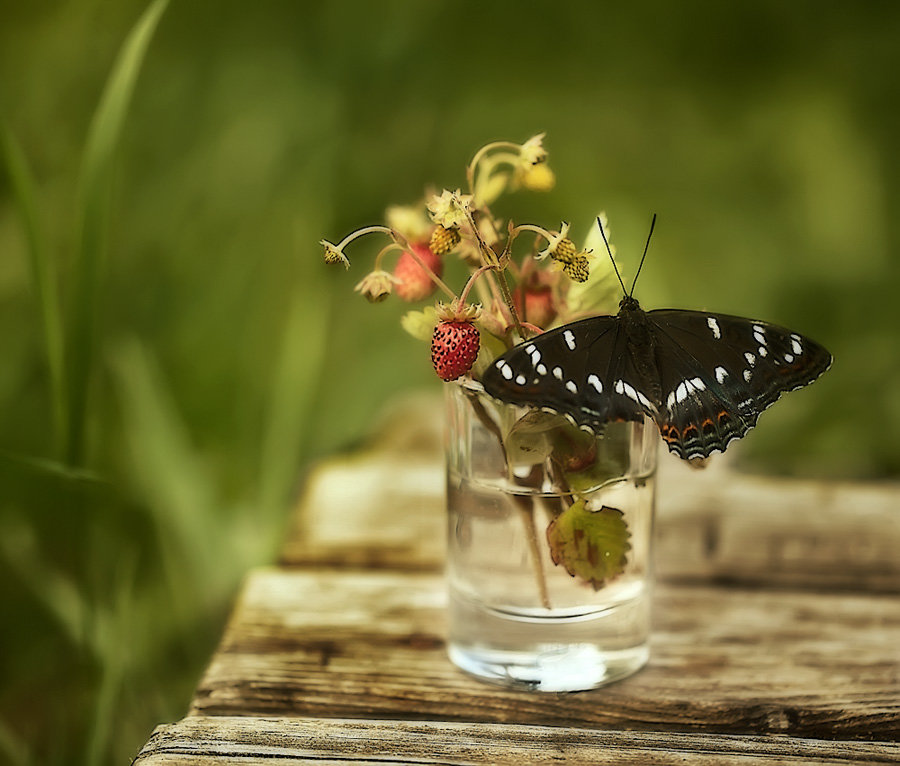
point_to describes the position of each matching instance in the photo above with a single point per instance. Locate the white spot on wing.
(751, 360)
(714, 326)
(747, 374)
(541, 369)
(681, 392)
(698, 384)
(762, 351)
(569, 337)
(558, 373)
(594, 381)
(795, 345)
(530, 349)
(788, 358)
(506, 371)
(721, 374)
(520, 379)
(570, 385)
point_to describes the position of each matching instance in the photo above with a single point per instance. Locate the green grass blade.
(43, 274)
(295, 384)
(95, 185)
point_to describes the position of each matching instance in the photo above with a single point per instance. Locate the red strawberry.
(413, 283)
(454, 346)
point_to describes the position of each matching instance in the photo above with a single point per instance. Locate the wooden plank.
(370, 645)
(236, 740)
(375, 509)
(385, 509)
(777, 532)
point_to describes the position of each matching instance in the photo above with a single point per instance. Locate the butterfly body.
(704, 378)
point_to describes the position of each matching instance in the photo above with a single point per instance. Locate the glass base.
(556, 650)
(569, 668)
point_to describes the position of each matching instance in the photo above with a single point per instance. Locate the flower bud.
(376, 286)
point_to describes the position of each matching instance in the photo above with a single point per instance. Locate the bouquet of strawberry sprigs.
(527, 279)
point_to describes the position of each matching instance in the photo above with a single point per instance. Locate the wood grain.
(250, 741)
(370, 645)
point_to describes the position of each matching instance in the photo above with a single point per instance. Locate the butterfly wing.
(718, 373)
(578, 370)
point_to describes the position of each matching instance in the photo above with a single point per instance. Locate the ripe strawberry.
(413, 283)
(454, 347)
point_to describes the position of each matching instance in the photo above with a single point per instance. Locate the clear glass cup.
(525, 488)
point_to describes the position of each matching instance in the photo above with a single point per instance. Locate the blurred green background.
(205, 355)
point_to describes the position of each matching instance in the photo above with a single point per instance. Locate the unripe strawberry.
(443, 240)
(454, 347)
(578, 269)
(412, 282)
(565, 251)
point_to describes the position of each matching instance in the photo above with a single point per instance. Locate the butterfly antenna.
(652, 224)
(608, 250)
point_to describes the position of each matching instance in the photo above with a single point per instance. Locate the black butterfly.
(704, 378)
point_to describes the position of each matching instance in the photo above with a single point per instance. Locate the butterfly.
(704, 378)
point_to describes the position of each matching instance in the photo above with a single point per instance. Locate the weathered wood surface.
(777, 634)
(204, 741)
(346, 645)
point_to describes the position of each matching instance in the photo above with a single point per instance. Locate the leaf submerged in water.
(591, 545)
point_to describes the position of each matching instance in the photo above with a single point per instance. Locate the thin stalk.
(471, 281)
(490, 258)
(434, 277)
(537, 559)
(525, 503)
(479, 155)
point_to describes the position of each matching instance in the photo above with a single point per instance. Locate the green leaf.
(591, 545)
(600, 292)
(95, 184)
(420, 324)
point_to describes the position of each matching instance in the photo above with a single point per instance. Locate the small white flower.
(450, 208)
(532, 151)
(376, 286)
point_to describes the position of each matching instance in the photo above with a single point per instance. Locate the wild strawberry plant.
(521, 279)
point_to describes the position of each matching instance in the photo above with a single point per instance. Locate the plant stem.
(536, 558)
(470, 170)
(524, 502)
(434, 277)
(471, 281)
